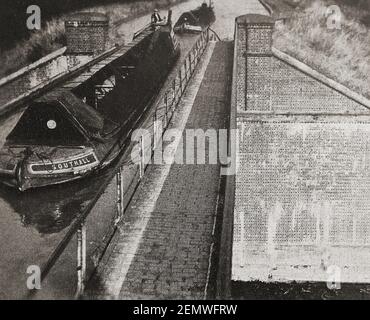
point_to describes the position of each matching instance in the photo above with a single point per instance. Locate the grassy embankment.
(52, 35)
(343, 55)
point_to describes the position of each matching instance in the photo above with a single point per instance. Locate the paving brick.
(171, 260)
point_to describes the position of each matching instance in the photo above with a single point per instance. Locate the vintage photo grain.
(198, 150)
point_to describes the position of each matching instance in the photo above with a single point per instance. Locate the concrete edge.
(321, 78)
(313, 73)
(74, 71)
(252, 116)
(219, 267)
(32, 66)
(224, 272)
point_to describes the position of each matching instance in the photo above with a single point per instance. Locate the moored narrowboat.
(195, 21)
(57, 139)
(68, 134)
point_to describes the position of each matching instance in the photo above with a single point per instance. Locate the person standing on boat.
(156, 18)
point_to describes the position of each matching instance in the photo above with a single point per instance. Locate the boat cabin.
(59, 118)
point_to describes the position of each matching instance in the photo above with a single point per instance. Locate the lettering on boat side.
(58, 167)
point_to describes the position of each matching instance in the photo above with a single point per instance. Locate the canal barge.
(195, 21)
(68, 134)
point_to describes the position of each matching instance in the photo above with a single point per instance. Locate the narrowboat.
(66, 135)
(195, 21)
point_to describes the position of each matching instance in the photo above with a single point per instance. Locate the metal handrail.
(215, 33)
(177, 89)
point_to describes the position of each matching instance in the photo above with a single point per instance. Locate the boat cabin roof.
(188, 17)
(57, 118)
(89, 118)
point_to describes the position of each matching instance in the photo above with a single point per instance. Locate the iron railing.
(164, 110)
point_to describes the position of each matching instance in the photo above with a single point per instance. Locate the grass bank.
(52, 35)
(341, 54)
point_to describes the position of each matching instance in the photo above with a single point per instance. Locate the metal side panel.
(302, 207)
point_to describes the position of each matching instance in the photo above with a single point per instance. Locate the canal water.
(34, 223)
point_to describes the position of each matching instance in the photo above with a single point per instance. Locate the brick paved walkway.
(163, 247)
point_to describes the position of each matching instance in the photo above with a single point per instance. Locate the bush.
(342, 55)
(52, 35)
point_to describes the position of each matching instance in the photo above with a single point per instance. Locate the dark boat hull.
(34, 165)
(195, 21)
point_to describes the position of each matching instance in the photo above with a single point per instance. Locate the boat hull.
(195, 21)
(36, 165)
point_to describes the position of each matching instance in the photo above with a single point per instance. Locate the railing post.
(166, 109)
(166, 100)
(142, 158)
(180, 77)
(173, 104)
(154, 130)
(81, 259)
(186, 69)
(121, 191)
(174, 91)
(119, 195)
(190, 69)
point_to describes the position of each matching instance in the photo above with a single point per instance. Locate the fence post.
(173, 104)
(154, 129)
(119, 195)
(121, 190)
(142, 158)
(166, 101)
(174, 91)
(190, 69)
(81, 259)
(166, 109)
(186, 69)
(180, 77)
